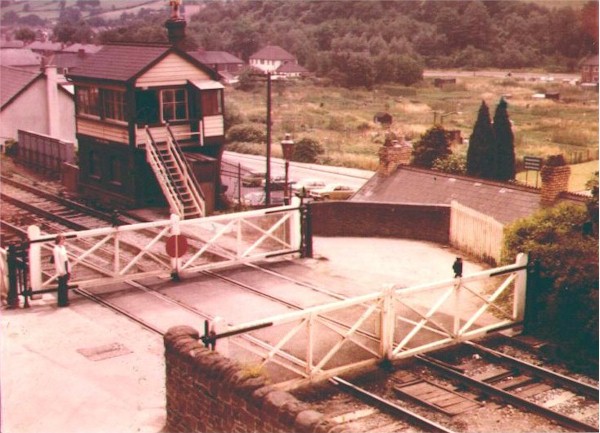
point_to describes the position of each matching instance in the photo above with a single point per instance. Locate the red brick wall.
(366, 219)
(207, 392)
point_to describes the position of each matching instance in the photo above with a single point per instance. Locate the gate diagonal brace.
(210, 337)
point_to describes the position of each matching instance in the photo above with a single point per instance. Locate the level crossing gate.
(121, 253)
(394, 323)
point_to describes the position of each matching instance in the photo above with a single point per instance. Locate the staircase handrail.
(153, 157)
(190, 180)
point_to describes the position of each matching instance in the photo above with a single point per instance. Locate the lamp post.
(287, 146)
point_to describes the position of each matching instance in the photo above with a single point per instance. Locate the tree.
(480, 161)
(307, 150)
(453, 164)
(432, 145)
(504, 144)
(565, 265)
(25, 34)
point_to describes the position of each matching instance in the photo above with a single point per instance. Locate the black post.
(306, 248)
(239, 184)
(268, 171)
(286, 192)
(13, 293)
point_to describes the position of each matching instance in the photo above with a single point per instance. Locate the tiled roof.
(127, 62)
(19, 57)
(119, 62)
(13, 82)
(87, 48)
(215, 57)
(291, 68)
(503, 202)
(272, 52)
(67, 60)
(590, 60)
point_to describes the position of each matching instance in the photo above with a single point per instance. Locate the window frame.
(114, 105)
(88, 101)
(175, 104)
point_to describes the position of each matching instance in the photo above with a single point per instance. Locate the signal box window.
(94, 165)
(114, 171)
(212, 102)
(174, 105)
(114, 104)
(87, 101)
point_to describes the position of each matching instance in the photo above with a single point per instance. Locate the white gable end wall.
(173, 70)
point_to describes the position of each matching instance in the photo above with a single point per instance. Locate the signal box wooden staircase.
(175, 177)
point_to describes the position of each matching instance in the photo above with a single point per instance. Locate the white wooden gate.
(111, 254)
(394, 323)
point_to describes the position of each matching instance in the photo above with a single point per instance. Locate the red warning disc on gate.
(176, 246)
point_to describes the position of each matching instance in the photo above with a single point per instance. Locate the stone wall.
(207, 392)
(367, 219)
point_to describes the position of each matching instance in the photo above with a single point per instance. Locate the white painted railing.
(394, 323)
(109, 254)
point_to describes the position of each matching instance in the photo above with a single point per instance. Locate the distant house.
(36, 102)
(277, 61)
(589, 70)
(220, 61)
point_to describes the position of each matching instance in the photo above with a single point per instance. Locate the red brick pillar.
(390, 157)
(555, 179)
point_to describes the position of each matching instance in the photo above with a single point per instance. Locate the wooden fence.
(476, 233)
(44, 153)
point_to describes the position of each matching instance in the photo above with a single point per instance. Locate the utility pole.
(268, 170)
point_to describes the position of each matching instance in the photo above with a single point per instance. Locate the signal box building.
(140, 110)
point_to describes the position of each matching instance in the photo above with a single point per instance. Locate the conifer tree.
(505, 143)
(432, 145)
(480, 160)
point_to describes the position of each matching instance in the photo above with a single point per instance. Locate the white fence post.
(388, 321)
(520, 287)
(295, 238)
(35, 258)
(175, 231)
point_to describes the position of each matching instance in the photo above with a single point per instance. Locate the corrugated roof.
(272, 52)
(215, 57)
(503, 202)
(119, 62)
(13, 82)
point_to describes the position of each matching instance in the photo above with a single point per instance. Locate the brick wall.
(367, 219)
(207, 392)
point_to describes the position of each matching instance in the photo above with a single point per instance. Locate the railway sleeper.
(436, 397)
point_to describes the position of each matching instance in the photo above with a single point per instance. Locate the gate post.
(520, 287)
(35, 258)
(306, 231)
(175, 231)
(388, 323)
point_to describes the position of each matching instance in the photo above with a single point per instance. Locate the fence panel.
(476, 233)
(44, 153)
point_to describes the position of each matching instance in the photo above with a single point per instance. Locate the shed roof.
(127, 62)
(272, 52)
(13, 82)
(503, 202)
(291, 68)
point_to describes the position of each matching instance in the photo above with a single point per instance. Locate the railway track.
(412, 401)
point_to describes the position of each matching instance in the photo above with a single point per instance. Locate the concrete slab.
(48, 385)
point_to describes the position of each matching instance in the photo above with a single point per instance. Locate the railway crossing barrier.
(121, 253)
(327, 340)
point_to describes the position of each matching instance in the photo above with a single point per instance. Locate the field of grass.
(342, 120)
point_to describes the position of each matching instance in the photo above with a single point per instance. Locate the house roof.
(19, 57)
(127, 62)
(291, 68)
(215, 57)
(590, 60)
(87, 48)
(46, 46)
(11, 44)
(13, 82)
(503, 202)
(272, 52)
(67, 60)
